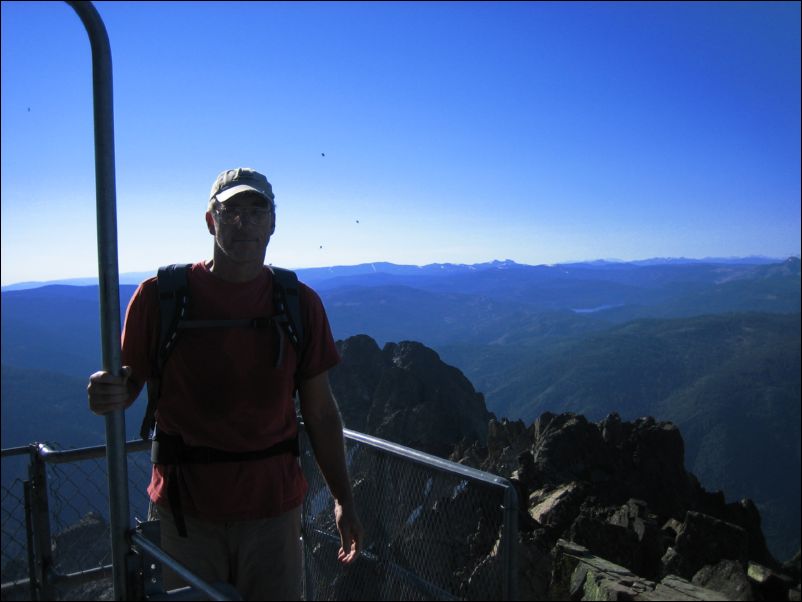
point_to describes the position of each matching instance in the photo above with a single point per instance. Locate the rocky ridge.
(617, 492)
(607, 509)
(404, 393)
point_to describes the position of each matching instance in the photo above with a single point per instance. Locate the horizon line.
(142, 273)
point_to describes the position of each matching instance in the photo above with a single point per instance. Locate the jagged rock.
(504, 433)
(727, 577)
(611, 542)
(569, 448)
(556, 507)
(676, 588)
(641, 460)
(626, 536)
(632, 515)
(671, 528)
(704, 540)
(573, 563)
(769, 584)
(743, 513)
(404, 393)
(354, 383)
(612, 430)
(524, 479)
(653, 455)
(526, 474)
(506, 441)
(609, 486)
(469, 453)
(581, 575)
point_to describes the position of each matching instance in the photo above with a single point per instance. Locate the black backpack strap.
(171, 449)
(287, 304)
(172, 452)
(171, 284)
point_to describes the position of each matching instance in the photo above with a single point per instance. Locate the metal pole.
(509, 544)
(108, 278)
(217, 591)
(41, 587)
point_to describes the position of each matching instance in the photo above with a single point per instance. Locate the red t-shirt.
(220, 388)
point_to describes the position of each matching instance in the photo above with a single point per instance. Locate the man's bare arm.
(325, 429)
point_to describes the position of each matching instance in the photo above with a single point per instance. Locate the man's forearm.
(326, 435)
(325, 429)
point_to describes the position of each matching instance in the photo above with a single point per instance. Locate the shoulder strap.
(287, 300)
(171, 284)
(173, 302)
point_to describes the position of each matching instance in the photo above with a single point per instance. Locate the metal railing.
(434, 529)
(54, 510)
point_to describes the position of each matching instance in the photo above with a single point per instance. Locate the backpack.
(173, 292)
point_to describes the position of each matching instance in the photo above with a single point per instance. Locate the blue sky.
(452, 132)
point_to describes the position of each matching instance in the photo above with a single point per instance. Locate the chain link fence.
(78, 507)
(14, 561)
(434, 530)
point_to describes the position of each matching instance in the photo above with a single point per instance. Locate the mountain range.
(711, 346)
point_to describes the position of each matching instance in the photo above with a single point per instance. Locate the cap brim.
(235, 190)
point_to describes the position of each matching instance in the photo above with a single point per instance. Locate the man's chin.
(244, 257)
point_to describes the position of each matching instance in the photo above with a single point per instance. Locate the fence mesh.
(78, 505)
(430, 534)
(14, 547)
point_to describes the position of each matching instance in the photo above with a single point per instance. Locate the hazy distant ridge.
(311, 274)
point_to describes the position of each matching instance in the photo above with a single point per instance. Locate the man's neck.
(225, 269)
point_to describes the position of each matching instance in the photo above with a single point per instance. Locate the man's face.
(243, 226)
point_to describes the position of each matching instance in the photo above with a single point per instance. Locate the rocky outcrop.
(578, 574)
(727, 577)
(620, 491)
(404, 393)
(606, 510)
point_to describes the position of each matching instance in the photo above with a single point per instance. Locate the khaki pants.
(260, 558)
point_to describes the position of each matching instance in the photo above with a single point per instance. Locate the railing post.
(109, 284)
(39, 528)
(509, 543)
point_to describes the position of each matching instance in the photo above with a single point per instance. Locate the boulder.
(768, 583)
(556, 507)
(580, 575)
(626, 535)
(727, 577)
(703, 540)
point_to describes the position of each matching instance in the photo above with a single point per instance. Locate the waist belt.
(170, 450)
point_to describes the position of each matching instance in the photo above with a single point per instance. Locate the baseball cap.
(242, 179)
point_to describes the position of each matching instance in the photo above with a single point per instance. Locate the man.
(231, 389)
